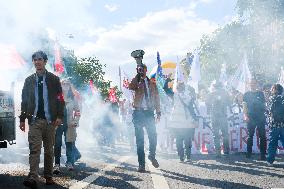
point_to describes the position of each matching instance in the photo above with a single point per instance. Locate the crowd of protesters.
(53, 108)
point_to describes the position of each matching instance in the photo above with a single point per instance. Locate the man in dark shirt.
(43, 105)
(254, 109)
(218, 102)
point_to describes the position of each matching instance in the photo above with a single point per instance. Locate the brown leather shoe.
(49, 181)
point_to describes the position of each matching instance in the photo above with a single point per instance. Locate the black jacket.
(55, 97)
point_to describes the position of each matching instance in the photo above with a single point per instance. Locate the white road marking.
(88, 180)
(158, 179)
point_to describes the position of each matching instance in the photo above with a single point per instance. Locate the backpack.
(277, 109)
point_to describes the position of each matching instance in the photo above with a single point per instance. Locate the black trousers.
(258, 123)
(184, 138)
(141, 119)
(220, 124)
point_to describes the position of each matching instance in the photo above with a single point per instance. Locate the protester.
(107, 125)
(43, 105)
(277, 122)
(146, 101)
(267, 92)
(122, 135)
(184, 120)
(254, 115)
(204, 118)
(68, 128)
(237, 98)
(129, 124)
(218, 103)
(168, 90)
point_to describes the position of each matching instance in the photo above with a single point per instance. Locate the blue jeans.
(76, 153)
(275, 134)
(71, 149)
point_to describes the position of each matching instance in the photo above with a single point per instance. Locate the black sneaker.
(78, 157)
(56, 169)
(181, 159)
(248, 155)
(218, 155)
(141, 169)
(154, 161)
(30, 183)
(262, 157)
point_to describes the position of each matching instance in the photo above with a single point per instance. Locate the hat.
(137, 53)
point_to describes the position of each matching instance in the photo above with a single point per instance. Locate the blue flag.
(160, 81)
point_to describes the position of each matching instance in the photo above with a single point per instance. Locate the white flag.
(194, 76)
(223, 75)
(281, 77)
(178, 77)
(242, 76)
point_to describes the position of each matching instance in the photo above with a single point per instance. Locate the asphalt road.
(117, 168)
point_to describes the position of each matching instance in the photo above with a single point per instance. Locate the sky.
(111, 29)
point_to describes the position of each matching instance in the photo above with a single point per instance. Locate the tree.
(258, 33)
(84, 70)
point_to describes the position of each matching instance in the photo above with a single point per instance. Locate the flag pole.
(119, 72)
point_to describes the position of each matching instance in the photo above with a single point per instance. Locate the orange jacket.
(138, 88)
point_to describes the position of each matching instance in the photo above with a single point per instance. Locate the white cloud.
(206, 1)
(111, 7)
(23, 19)
(172, 32)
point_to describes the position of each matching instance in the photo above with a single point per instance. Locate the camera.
(140, 69)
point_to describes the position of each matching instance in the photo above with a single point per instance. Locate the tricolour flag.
(160, 81)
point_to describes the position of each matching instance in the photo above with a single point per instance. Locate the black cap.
(137, 53)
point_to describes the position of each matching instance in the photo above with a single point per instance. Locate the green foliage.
(259, 33)
(84, 70)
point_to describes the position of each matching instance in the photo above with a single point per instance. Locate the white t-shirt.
(144, 102)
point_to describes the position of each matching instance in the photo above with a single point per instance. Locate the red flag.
(112, 95)
(92, 87)
(59, 67)
(10, 58)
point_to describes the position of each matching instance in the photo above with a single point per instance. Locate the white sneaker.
(69, 166)
(56, 169)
